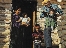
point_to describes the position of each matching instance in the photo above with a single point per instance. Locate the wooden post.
(33, 20)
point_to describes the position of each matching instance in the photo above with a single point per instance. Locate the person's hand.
(36, 37)
(23, 23)
(27, 25)
(18, 20)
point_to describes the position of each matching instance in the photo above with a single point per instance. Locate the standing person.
(45, 10)
(37, 36)
(25, 30)
(15, 28)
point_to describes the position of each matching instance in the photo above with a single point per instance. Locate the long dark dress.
(15, 41)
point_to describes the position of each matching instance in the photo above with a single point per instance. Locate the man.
(45, 12)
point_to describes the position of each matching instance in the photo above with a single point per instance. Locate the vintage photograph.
(32, 23)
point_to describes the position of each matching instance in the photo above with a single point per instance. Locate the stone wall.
(5, 20)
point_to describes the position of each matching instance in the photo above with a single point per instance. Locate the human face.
(25, 16)
(37, 29)
(51, 12)
(18, 11)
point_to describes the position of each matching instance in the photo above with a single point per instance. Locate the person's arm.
(20, 18)
(41, 15)
(57, 9)
(34, 35)
(29, 19)
(44, 11)
(41, 34)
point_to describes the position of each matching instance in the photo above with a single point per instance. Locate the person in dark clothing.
(37, 36)
(16, 29)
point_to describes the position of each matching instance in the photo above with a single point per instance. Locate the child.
(25, 29)
(25, 20)
(51, 19)
(37, 36)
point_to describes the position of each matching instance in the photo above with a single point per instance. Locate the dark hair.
(52, 11)
(37, 25)
(17, 8)
(24, 14)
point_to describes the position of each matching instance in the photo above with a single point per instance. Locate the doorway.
(26, 7)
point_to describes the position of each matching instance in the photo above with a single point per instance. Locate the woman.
(15, 28)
